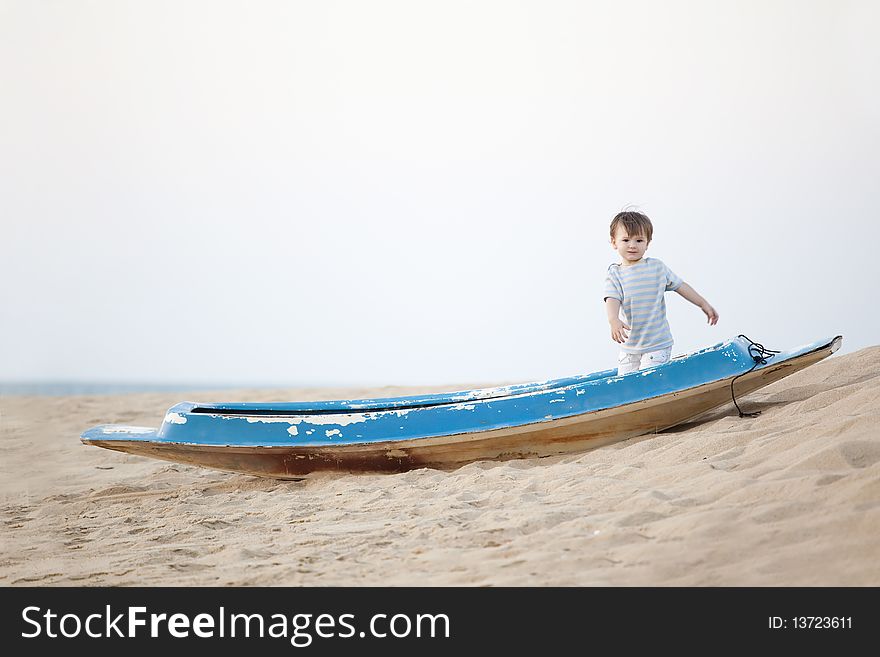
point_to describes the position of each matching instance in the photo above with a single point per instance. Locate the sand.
(790, 498)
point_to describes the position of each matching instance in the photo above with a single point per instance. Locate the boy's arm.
(618, 328)
(691, 295)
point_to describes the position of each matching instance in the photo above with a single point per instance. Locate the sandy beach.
(789, 498)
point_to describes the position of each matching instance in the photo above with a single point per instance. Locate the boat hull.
(564, 435)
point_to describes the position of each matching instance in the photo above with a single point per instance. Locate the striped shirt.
(641, 289)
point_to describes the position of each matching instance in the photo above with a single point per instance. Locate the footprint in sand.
(860, 453)
(640, 518)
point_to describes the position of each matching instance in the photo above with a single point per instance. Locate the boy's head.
(635, 223)
(631, 233)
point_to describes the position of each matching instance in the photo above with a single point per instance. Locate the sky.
(419, 193)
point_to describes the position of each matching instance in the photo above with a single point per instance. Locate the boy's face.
(630, 248)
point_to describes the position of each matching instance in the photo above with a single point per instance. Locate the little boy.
(637, 286)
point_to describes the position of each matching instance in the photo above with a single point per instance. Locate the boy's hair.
(634, 223)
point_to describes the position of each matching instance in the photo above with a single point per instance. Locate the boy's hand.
(711, 315)
(619, 331)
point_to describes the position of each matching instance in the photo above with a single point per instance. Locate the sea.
(64, 388)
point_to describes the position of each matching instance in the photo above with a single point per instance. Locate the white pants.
(632, 362)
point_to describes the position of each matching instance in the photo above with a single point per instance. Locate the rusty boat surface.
(293, 439)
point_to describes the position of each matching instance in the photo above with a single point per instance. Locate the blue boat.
(446, 430)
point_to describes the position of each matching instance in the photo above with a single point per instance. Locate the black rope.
(759, 354)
